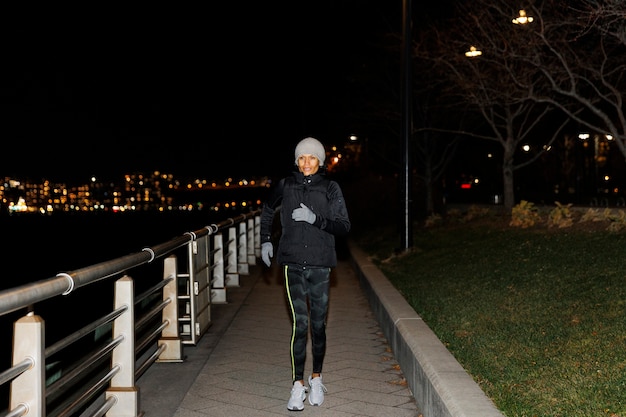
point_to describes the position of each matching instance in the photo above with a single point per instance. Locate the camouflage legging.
(302, 284)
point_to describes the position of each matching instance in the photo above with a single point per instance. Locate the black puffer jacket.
(303, 244)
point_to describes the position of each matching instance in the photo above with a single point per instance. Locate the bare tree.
(572, 57)
(479, 48)
(579, 50)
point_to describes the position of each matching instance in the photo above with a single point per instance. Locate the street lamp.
(407, 123)
(522, 19)
(473, 52)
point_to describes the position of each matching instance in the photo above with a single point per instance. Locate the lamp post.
(407, 125)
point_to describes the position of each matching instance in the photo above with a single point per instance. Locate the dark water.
(39, 247)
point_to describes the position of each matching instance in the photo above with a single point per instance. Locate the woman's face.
(308, 164)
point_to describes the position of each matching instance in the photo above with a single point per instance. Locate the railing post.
(29, 387)
(250, 247)
(216, 262)
(257, 236)
(170, 336)
(122, 386)
(242, 255)
(199, 251)
(232, 272)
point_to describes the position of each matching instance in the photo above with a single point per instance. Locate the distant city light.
(137, 192)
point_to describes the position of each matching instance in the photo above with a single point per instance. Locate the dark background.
(206, 90)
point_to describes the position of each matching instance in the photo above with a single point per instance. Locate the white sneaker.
(298, 394)
(316, 397)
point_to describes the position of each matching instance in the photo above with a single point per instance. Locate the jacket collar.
(310, 179)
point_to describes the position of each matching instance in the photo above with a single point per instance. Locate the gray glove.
(303, 214)
(267, 251)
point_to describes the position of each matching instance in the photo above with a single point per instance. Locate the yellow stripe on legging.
(293, 324)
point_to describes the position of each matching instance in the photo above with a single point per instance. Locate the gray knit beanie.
(311, 146)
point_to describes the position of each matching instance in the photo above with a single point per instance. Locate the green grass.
(537, 317)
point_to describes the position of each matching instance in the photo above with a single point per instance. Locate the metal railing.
(92, 368)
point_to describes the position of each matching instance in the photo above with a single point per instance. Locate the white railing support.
(232, 272)
(170, 336)
(216, 262)
(257, 236)
(122, 386)
(250, 246)
(200, 276)
(29, 343)
(242, 247)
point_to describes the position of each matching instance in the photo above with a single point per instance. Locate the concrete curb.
(440, 385)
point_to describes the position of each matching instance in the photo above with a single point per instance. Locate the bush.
(524, 215)
(560, 216)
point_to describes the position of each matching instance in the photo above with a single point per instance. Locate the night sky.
(210, 91)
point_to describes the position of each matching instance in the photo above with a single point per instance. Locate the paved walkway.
(241, 367)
